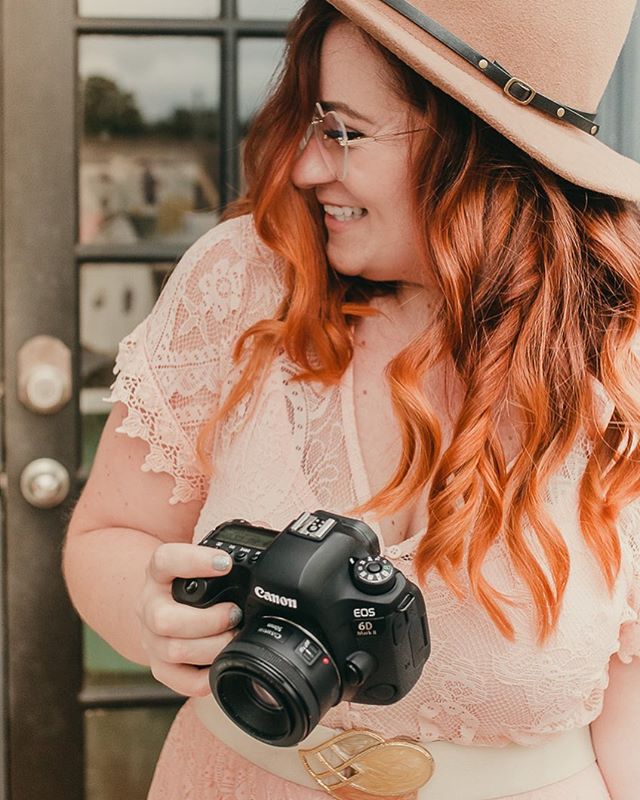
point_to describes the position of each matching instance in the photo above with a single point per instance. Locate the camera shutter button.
(374, 575)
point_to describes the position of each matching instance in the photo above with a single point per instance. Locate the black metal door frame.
(42, 638)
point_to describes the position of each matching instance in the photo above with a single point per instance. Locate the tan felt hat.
(535, 70)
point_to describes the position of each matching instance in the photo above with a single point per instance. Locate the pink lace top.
(477, 687)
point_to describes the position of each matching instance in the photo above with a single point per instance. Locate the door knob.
(44, 374)
(44, 483)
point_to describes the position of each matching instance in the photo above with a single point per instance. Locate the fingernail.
(235, 616)
(222, 561)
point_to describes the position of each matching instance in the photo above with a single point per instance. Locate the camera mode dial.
(374, 574)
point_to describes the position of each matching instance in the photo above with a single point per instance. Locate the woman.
(423, 314)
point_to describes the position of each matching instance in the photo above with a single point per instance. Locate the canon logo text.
(278, 599)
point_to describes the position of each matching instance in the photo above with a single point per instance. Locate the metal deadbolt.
(44, 483)
(44, 374)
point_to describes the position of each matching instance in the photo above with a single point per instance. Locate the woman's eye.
(336, 135)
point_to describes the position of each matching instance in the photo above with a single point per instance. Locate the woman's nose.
(310, 168)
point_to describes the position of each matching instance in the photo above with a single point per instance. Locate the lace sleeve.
(170, 369)
(629, 525)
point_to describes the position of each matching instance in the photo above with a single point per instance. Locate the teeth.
(344, 213)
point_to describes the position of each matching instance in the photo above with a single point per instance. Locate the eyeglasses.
(335, 140)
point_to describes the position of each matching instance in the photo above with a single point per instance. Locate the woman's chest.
(301, 445)
(287, 449)
(378, 409)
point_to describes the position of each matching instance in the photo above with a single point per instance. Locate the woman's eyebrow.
(329, 105)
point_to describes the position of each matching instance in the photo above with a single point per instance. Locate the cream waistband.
(462, 772)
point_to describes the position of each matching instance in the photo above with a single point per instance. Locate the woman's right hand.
(181, 640)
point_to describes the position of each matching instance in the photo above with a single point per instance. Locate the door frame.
(42, 636)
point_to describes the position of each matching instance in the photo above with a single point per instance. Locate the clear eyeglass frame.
(333, 136)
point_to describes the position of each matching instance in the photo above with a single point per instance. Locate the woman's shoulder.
(228, 276)
(233, 248)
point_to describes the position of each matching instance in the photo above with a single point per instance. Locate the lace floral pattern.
(294, 446)
(170, 369)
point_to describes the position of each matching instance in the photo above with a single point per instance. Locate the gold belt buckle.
(362, 765)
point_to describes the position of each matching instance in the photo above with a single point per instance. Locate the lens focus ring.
(300, 694)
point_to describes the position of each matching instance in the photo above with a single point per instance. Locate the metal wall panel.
(619, 112)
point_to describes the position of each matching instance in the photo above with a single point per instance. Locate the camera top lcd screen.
(246, 536)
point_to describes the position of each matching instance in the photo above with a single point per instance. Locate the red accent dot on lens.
(325, 660)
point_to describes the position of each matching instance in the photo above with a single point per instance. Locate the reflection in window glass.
(150, 150)
(258, 60)
(121, 750)
(268, 9)
(149, 8)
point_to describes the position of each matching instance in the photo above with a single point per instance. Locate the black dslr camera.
(326, 619)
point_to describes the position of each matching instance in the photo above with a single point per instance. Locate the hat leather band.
(516, 89)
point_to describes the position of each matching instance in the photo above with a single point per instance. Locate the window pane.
(269, 9)
(104, 667)
(258, 60)
(121, 750)
(150, 146)
(114, 298)
(149, 8)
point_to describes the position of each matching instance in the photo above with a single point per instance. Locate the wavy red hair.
(540, 281)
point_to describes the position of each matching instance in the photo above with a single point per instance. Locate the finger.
(179, 560)
(167, 618)
(198, 652)
(184, 679)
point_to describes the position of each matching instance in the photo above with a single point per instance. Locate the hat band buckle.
(523, 102)
(360, 764)
(501, 76)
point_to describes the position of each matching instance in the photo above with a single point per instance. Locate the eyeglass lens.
(331, 134)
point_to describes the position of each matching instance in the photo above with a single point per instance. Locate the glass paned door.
(121, 138)
(154, 107)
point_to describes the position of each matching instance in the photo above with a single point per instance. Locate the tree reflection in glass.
(150, 148)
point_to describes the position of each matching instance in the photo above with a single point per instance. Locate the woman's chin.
(349, 272)
(358, 269)
(341, 263)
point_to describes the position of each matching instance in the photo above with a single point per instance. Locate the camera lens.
(252, 706)
(264, 696)
(275, 680)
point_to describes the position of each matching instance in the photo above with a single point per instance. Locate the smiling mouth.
(345, 213)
